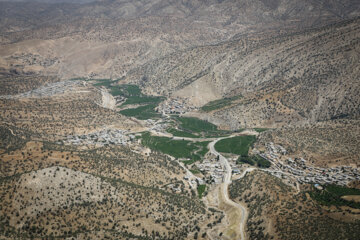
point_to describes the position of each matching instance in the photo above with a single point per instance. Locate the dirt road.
(238, 211)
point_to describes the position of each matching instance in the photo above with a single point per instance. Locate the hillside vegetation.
(277, 212)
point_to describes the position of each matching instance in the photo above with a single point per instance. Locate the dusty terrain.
(74, 164)
(277, 211)
(110, 38)
(306, 82)
(46, 184)
(61, 108)
(305, 77)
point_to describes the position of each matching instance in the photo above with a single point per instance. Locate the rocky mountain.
(102, 105)
(109, 38)
(307, 76)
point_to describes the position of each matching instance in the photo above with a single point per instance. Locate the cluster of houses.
(213, 169)
(101, 138)
(175, 105)
(157, 126)
(194, 181)
(47, 90)
(303, 173)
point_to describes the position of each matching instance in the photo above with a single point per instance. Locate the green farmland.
(176, 148)
(237, 145)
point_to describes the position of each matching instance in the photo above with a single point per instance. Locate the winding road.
(225, 185)
(236, 226)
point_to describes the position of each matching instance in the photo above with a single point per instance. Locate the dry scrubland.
(52, 190)
(325, 144)
(291, 65)
(307, 76)
(109, 38)
(76, 110)
(14, 83)
(307, 79)
(277, 211)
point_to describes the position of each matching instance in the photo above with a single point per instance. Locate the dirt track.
(236, 214)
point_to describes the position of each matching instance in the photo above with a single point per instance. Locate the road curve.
(226, 182)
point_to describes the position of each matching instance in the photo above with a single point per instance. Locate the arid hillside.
(109, 38)
(305, 81)
(303, 77)
(191, 119)
(276, 211)
(308, 76)
(51, 190)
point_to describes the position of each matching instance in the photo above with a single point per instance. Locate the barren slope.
(109, 38)
(305, 77)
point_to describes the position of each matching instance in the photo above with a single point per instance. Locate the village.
(213, 171)
(157, 126)
(298, 169)
(101, 138)
(48, 90)
(175, 105)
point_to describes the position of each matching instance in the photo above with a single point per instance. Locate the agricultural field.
(103, 82)
(195, 124)
(176, 148)
(180, 133)
(132, 93)
(144, 105)
(237, 145)
(333, 195)
(142, 112)
(200, 127)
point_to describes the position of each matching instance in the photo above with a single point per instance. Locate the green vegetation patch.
(126, 90)
(237, 145)
(194, 170)
(254, 160)
(201, 189)
(104, 82)
(175, 148)
(143, 100)
(180, 133)
(259, 130)
(331, 196)
(203, 149)
(196, 125)
(142, 112)
(133, 95)
(217, 104)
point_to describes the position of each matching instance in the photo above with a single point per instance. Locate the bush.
(254, 160)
